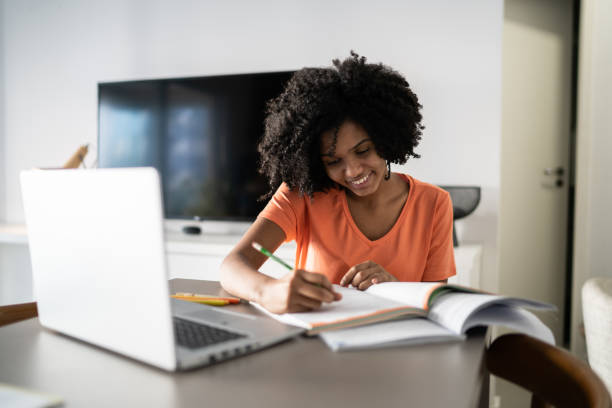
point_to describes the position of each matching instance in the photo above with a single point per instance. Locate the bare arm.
(299, 290)
(239, 270)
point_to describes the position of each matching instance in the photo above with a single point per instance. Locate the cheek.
(377, 161)
(334, 173)
(331, 173)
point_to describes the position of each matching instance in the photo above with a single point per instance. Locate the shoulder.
(424, 190)
(296, 199)
(284, 192)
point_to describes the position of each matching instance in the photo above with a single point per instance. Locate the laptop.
(99, 272)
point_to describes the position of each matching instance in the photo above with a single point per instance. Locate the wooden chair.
(15, 313)
(551, 374)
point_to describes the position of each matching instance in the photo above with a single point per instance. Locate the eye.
(332, 163)
(364, 151)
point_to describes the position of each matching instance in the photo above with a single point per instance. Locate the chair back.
(551, 374)
(14, 313)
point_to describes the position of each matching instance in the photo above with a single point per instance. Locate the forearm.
(241, 278)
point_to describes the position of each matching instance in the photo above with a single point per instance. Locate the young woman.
(329, 140)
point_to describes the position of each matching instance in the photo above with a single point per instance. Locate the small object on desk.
(192, 230)
(17, 397)
(75, 161)
(205, 299)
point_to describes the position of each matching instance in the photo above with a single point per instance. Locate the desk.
(302, 372)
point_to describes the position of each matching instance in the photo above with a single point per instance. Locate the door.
(536, 113)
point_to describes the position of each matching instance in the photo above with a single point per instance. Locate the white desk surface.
(299, 373)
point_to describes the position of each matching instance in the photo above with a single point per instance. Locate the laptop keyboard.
(196, 335)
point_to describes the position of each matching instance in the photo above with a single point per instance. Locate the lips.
(361, 181)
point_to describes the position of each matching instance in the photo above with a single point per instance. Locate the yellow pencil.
(206, 301)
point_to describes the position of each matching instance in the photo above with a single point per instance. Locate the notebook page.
(453, 310)
(513, 318)
(413, 294)
(354, 303)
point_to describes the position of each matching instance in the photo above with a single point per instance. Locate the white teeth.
(361, 180)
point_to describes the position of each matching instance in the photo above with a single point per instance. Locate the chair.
(465, 200)
(14, 313)
(597, 313)
(551, 374)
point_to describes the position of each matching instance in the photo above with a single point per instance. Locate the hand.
(298, 291)
(366, 274)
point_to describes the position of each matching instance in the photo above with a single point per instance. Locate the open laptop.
(99, 272)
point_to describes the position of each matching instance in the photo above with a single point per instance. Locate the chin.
(371, 188)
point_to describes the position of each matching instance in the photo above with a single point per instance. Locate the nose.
(353, 168)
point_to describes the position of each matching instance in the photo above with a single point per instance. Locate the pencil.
(275, 258)
(206, 299)
(212, 302)
(270, 255)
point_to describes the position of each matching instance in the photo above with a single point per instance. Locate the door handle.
(556, 171)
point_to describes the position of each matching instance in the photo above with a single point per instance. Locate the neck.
(387, 191)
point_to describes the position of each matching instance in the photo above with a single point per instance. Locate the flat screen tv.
(200, 133)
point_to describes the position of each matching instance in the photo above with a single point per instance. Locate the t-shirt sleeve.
(284, 209)
(441, 257)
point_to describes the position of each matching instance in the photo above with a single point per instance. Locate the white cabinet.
(199, 257)
(468, 260)
(188, 256)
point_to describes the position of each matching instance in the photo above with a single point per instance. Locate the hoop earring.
(388, 175)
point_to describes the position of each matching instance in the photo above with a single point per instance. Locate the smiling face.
(352, 161)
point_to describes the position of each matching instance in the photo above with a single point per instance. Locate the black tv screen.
(200, 133)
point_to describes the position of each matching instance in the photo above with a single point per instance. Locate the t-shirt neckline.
(360, 234)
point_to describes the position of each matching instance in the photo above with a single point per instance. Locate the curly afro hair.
(319, 99)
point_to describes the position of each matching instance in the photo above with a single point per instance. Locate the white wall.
(593, 219)
(56, 51)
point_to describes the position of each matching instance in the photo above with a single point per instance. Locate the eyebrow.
(367, 139)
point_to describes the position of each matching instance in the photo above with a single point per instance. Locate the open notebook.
(449, 310)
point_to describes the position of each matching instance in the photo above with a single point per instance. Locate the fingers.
(372, 279)
(358, 273)
(317, 279)
(315, 292)
(298, 291)
(366, 274)
(309, 290)
(306, 303)
(347, 279)
(319, 287)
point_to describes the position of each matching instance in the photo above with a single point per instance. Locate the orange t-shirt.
(419, 247)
